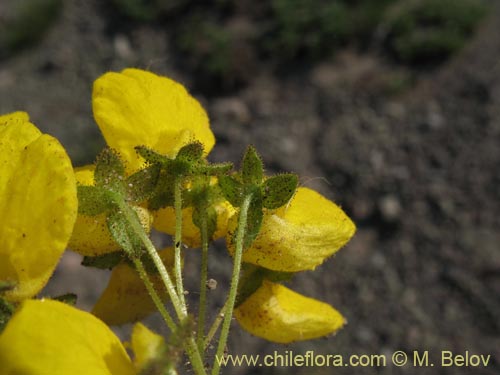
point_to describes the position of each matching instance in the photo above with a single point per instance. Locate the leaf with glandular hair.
(110, 171)
(210, 217)
(93, 200)
(150, 155)
(142, 184)
(231, 189)
(123, 235)
(252, 169)
(191, 153)
(278, 190)
(163, 194)
(254, 219)
(105, 261)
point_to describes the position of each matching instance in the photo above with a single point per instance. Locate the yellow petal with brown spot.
(38, 205)
(281, 315)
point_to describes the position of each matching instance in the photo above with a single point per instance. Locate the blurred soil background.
(391, 108)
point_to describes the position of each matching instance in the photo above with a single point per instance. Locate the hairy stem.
(154, 295)
(177, 240)
(238, 253)
(203, 282)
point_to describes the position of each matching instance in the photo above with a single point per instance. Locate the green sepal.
(252, 169)
(6, 311)
(163, 194)
(142, 184)
(254, 219)
(68, 298)
(105, 261)
(120, 230)
(110, 171)
(211, 218)
(216, 169)
(191, 153)
(150, 155)
(6, 286)
(232, 190)
(93, 200)
(252, 278)
(278, 190)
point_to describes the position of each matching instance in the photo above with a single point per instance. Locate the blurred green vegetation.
(426, 31)
(25, 23)
(222, 42)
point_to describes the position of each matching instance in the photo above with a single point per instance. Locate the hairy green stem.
(191, 347)
(177, 240)
(215, 326)
(154, 295)
(203, 282)
(131, 217)
(238, 254)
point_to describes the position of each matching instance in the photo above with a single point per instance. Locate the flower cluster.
(154, 174)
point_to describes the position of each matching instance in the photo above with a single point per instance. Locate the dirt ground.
(417, 169)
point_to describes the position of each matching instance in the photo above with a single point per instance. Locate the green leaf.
(254, 220)
(163, 195)
(252, 278)
(214, 169)
(123, 235)
(109, 171)
(210, 217)
(191, 153)
(150, 155)
(68, 298)
(278, 190)
(104, 261)
(142, 184)
(93, 200)
(252, 169)
(231, 189)
(6, 311)
(5, 286)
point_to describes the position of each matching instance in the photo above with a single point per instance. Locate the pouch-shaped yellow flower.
(146, 345)
(281, 315)
(139, 108)
(126, 299)
(91, 235)
(38, 205)
(164, 221)
(300, 235)
(50, 337)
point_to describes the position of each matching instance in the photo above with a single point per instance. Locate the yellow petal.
(38, 204)
(146, 345)
(90, 235)
(300, 235)
(50, 337)
(164, 221)
(281, 315)
(126, 299)
(139, 108)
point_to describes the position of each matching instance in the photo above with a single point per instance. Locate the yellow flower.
(164, 221)
(50, 337)
(281, 315)
(126, 299)
(139, 108)
(91, 235)
(38, 204)
(146, 345)
(300, 235)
